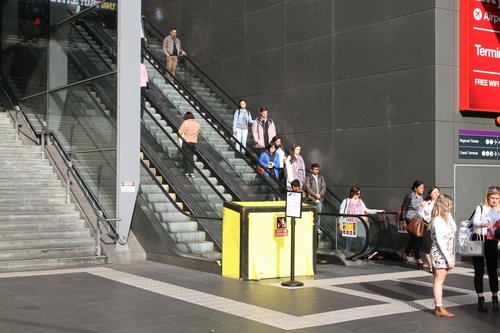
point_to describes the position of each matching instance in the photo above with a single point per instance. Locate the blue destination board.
(479, 145)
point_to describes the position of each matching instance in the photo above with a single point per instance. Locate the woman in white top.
(425, 212)
(443, 229)
(353, 205)
(241, 120)
(295, 167)
(484, 218)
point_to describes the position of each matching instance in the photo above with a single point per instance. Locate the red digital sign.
(480, 55)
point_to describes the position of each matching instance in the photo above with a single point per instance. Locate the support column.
(128, 126)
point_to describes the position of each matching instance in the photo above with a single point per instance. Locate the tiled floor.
(152, 297)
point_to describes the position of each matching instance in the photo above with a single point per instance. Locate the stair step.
(46, 243)
(39, 216)
(86, 251)
(52, 263)
(41, 225)
(32, 200)
(44, 234)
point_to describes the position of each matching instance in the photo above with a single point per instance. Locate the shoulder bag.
(416, 227)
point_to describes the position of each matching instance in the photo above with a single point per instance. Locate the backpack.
(465, 232)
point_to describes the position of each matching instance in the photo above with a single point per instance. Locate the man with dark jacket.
(263, 130)
(315, 189)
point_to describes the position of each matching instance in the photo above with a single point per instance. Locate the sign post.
(293, 209)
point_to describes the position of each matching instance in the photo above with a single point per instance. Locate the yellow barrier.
(256, 242)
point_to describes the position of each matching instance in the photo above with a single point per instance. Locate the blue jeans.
(241, 136)
(319, 207)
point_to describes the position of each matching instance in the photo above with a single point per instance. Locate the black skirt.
(425, 242)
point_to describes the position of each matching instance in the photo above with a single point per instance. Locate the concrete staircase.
(38, 229)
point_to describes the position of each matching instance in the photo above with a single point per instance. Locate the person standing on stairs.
(144, 86)
(242, 118)
(189, 131)
(263, 130)
(172, 50)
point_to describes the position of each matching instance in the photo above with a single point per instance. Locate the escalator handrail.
(223, 126)
(221, 175)
(360, 217)
(100, 39)
(182, 194)
(89, 43)
(53, 27)
(158, 34)
(172, 201)
(174, 141)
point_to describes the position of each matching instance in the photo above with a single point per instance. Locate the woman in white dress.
(443, 229)
(425, 212)
(295, 167)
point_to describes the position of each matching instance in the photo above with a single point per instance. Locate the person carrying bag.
(485, 217)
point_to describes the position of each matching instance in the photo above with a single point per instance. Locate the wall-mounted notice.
(480, 55)
(481, 145)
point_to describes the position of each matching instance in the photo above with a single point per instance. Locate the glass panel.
(66, 54)
(163, 142)
(84, 116)
(98, 171)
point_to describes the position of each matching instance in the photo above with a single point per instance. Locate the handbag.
(260, 170)
(180, 140)
(416, 227)
(473, 248)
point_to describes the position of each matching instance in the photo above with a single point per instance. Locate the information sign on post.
(293, 204)
(293, 209)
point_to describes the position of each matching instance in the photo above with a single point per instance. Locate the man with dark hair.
(263, 130)
(315, 189)
(172, 49)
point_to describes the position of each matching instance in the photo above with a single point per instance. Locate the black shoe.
(481, 305)
(494, 300)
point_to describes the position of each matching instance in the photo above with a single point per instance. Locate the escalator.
(217, 139)
(182, 211)
(83, 116)
(200, 92)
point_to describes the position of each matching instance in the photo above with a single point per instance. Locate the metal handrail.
(184, 154)
(360, 217)
(69, 85)
(208, 162)
(55, 26)
(160, 36)
(82, 184)
(89, 43)
(172, 201)
(161, 68)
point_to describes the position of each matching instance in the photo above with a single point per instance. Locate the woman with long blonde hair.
(443, 229)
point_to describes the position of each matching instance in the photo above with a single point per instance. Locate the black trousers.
(413, 244)
(491, 257)
(187, 148)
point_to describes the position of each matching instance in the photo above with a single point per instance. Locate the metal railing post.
(69, 165)
(100, 216)
(44, 130)
(16, 121)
